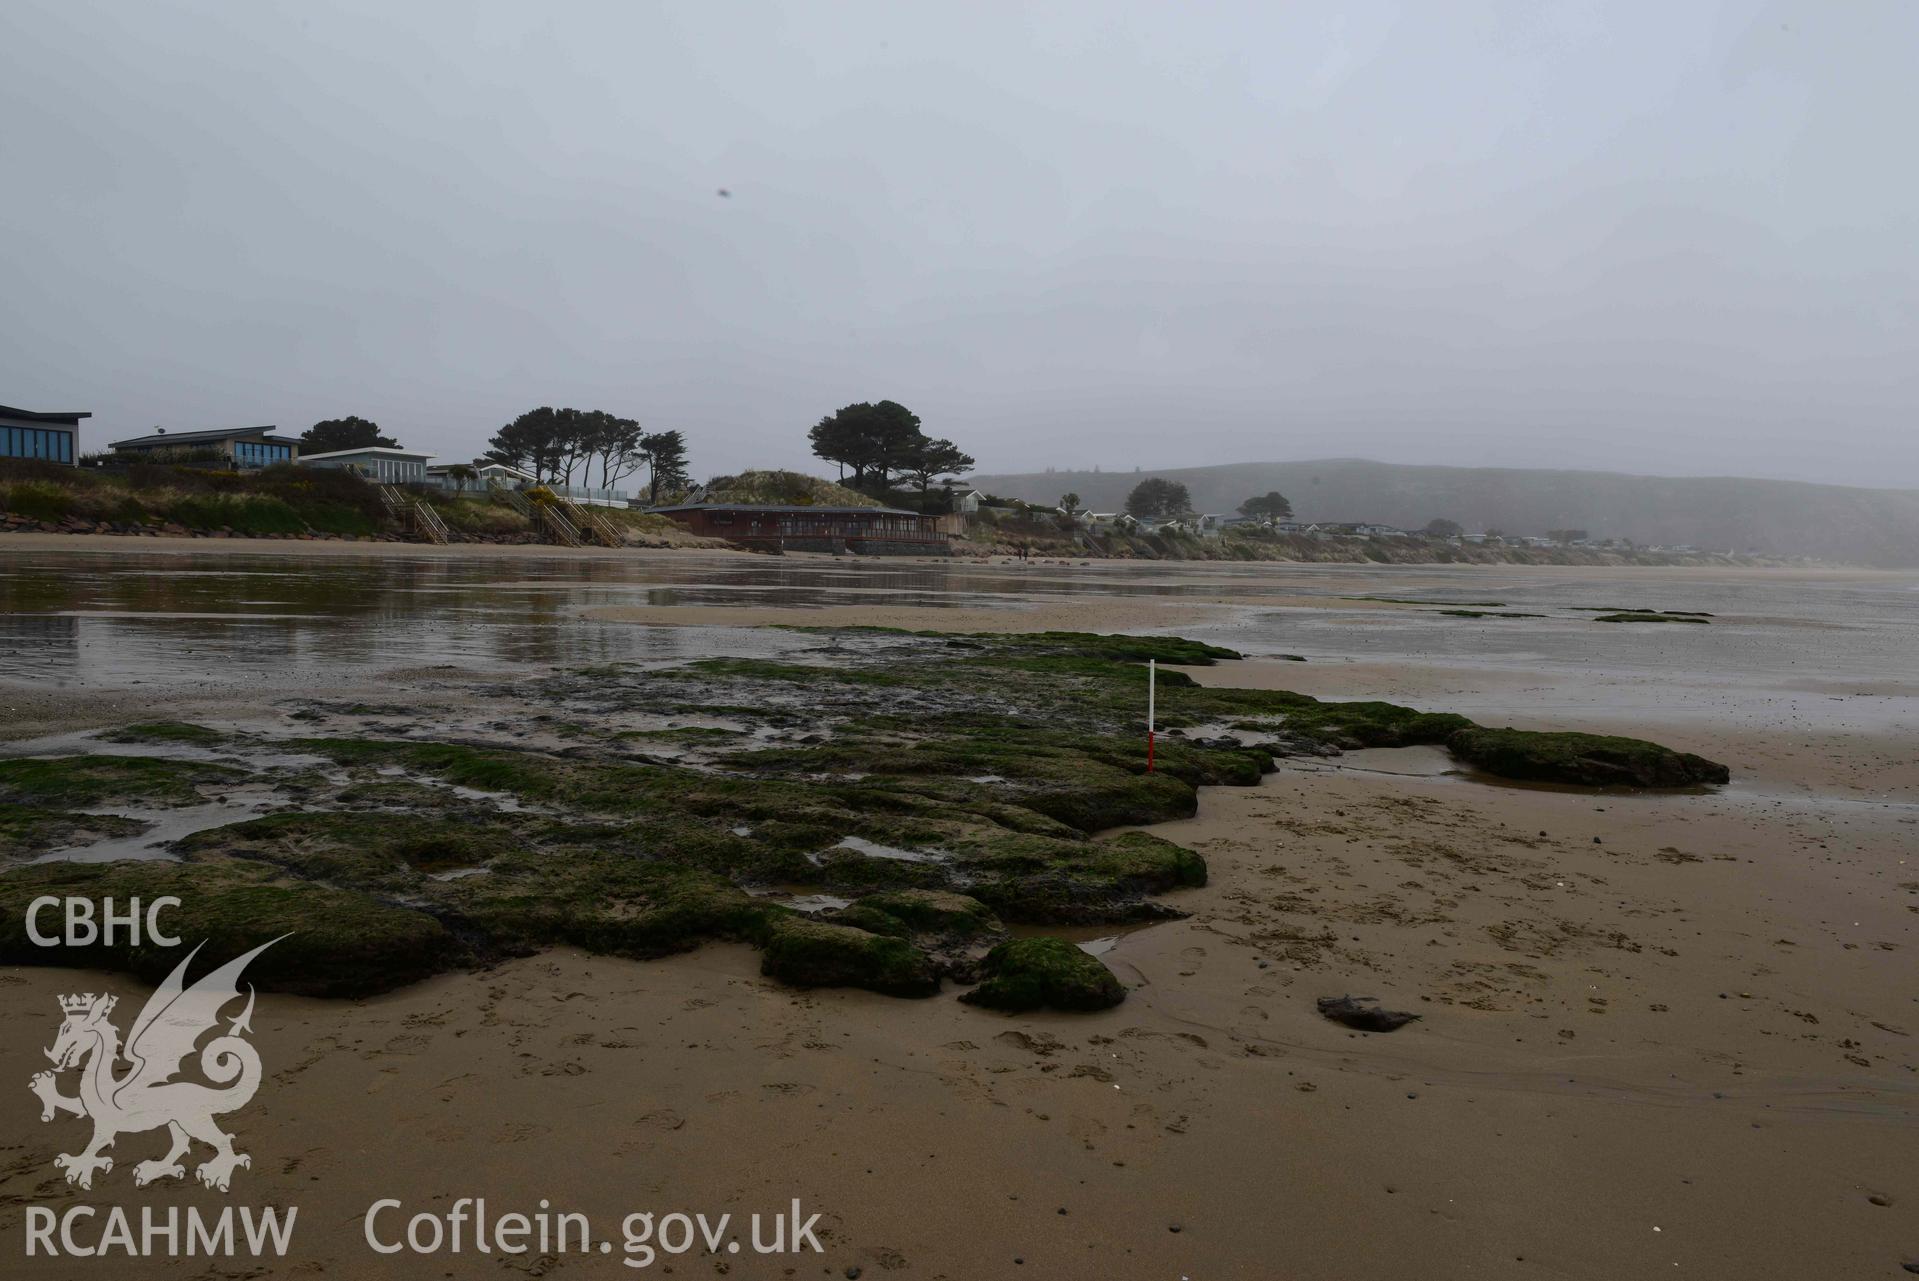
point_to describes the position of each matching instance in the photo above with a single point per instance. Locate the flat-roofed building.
(772, 527)
(238, 447)
(382, 463)
(453, 477)
(52, 436)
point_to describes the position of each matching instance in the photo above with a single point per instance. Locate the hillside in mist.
(1773, 517)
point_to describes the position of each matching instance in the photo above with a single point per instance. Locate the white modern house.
(381, 463)
(482, 478)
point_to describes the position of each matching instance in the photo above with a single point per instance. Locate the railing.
(556, 522)
(591, 523)
(429, 523)
(590, 494)
(568, 521)
(515, 499)
(413, 514)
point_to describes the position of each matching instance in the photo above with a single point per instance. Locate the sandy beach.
(1660, 1034)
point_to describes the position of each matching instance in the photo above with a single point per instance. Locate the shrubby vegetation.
(278, 500)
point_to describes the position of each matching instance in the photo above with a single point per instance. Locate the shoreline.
(1682, 1011)
(999, 554)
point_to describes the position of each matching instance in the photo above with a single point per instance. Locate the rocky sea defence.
(879, 809)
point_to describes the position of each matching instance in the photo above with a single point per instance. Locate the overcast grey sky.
(1663, 237)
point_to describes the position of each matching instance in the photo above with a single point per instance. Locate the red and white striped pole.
(1152, 689)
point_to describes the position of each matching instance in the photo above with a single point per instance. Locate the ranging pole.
(1152, 688)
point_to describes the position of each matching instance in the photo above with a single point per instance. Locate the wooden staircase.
(569, 523)
(514, 498)
(415, 516)
(540, 514)
(557, 524)
(591, 524)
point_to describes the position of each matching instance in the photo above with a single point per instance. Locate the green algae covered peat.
(870, 812)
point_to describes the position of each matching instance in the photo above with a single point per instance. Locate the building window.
(249, 453)
(36, 442)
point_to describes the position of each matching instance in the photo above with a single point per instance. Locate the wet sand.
(1690, 1045)
(1661, 1035)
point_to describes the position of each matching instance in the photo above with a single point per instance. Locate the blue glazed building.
(49, 436)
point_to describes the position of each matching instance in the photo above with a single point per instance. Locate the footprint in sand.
(1033, 1042)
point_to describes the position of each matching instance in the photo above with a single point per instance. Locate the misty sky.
(1664, 237)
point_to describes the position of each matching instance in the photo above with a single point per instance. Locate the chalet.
(50, 435)
(484, 474)
(968, 502)
(1197, 526)
(872, 531)
(381, 463)
(1364, 529)
(241, 448)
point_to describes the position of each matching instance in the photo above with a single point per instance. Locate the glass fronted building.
(380, 463)
(237, 447)
(51, 437)
(254, 453)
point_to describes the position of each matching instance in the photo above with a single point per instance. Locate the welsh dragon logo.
(146, 1097)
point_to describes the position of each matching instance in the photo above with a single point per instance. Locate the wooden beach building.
(868, 531)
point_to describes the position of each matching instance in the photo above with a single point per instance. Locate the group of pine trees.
(882, 445)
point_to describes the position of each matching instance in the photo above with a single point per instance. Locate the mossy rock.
(183, 732)
(1115, 800)
(1593, 760)
(761, 669)
(64, 781)
(1034, 973)
(934, 912)
(1044, 881)
(483, 769)
(604, 902)
(1143, 861)
(27, 831)
(1664, 616)
(1110, 648)
(817, 954)
(340, 943)
(872, 920)
(352, 849)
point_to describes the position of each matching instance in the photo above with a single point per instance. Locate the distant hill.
(1769, 517)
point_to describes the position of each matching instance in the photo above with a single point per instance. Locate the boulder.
(1030, 973)
(1593, 760)
(817, 954)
